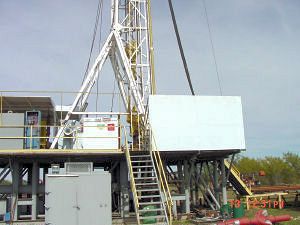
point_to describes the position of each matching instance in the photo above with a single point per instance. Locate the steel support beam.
(34, 183)
(224, 182)
(15, 189)
(124, 190)
(187, 190)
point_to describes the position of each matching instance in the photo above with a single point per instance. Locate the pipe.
(261, 218)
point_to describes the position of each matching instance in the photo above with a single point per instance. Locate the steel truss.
(127, 46)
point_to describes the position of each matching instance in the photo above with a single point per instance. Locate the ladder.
(152, 198)
(236, 181)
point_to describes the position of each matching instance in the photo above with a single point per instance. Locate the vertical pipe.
(151, 49)
(180, 177)
(112, 12)
(224, 191)
(192, 182)
(196, 183)
(15, 191)
(181, 182)
(116, 13)
(187, 187)
(34, 185)
(215, 181)
(30, 137)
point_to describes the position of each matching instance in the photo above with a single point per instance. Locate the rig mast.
(129, 48)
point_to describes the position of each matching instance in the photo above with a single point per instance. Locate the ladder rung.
(135, 172)
(146, 190)
(144, 184)
(150, 203)
(151, 210)
(141, 161)
(149, 196)
(145, 178)
(152, 217)
(137, 156)
(136, 167)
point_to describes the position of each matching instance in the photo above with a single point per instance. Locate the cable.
(113, 97)
(93, 39)
(212, 47)
(100, 38)
(180, 47)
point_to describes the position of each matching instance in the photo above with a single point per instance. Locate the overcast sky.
(45, 45)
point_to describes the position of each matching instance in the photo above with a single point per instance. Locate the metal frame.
(130, 27)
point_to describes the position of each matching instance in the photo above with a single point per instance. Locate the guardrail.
(72, 138)
(161, 176)
(58, 112)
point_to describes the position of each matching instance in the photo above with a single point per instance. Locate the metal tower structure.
(129, 48)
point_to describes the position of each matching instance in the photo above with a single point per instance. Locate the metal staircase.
(152, 198)
(235, 179)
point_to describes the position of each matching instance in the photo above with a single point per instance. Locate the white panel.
(99, 133)
(197, 122)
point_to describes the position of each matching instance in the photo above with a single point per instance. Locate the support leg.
(224, 182)
(15, 184)
(215, 181)
(34, 183)
(187, 187)
(124, 189)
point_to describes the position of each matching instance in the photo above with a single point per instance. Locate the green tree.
(248, 165)
(277, 171)
(293, 161)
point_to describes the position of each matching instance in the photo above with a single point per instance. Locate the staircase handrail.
(132, 182)
(161, 175)
(233, 168)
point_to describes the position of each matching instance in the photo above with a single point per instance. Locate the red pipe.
(261, 218)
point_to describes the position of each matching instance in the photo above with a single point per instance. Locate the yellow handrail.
(237, 174)
(233, 168)
(162, 177)
(132, 182)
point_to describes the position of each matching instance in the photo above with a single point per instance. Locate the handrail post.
(30, 145)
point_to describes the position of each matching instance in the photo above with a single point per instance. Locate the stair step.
(144, 178)
(145, 184)
(149, 196)
(152, 217)
(150, 203)
(151, 210)
(137, 167)
(157, 223)
(140, 161)
(136, 172)
(146, 190)
(140, 156)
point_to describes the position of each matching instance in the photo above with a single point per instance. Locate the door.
(61, 207)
